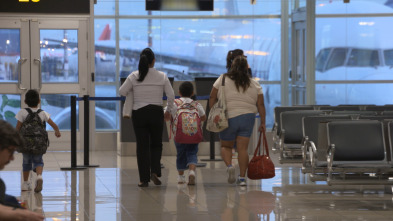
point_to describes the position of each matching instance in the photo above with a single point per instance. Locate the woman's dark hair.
(186, 89)
(32, 98)
(232, 55)
(146, 59)
(239, 73)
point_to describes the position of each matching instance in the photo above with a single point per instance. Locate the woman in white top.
(146, 87)
(244, 98)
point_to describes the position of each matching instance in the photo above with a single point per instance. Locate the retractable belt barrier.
(86, 99)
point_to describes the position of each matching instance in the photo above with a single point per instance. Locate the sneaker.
(181, 179)
(26, 186)
(231, 174)
(191, 178)
(241, 181)
(38, 184)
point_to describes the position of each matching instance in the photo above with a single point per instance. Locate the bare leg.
(39, 170)
(242, 146)
(26, 175)
(192, 167)
(226, 151)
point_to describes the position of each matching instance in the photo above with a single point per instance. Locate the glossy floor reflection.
(110, 192)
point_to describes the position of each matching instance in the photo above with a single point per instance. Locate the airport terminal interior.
(324, 66)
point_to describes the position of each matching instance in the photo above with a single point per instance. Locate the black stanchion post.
(73, 131)
(87, 127)
(73, 137)
(212, 140)
(212, 146)
(86, 148)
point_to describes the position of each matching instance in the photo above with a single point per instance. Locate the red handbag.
(261, 166)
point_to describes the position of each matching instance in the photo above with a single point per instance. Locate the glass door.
(298, 75)
(49, 55)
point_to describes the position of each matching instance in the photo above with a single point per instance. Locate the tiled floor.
(110, 192)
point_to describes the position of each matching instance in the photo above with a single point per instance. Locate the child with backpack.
(186, 126)
(31, 125)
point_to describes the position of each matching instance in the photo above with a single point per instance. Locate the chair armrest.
(313, 157)
(274, 132)
(304, 151)
(329, 157)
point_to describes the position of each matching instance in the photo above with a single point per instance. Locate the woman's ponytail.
(146, 59)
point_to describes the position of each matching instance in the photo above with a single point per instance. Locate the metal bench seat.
(357, 147)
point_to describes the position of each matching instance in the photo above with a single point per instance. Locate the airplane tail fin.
(106, 33)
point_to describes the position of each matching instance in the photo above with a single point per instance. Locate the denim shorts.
(241, 125)
(31, 161)
(186, 155)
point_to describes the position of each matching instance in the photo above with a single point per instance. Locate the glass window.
(272, 98)
(363, 58)
(337, 58)
(388, 55)
(353, 7)
(321, 59)
(187, 48)
(59, 108)
(10, 105)
(10, 54)
(371, 93)
(221, 8)
(105, 7)
(364, 39)
(105, 47)
(59, 55)
(106, 111)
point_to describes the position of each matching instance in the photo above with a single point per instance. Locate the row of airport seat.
(326, 109)
(309, 134)
(353, 152)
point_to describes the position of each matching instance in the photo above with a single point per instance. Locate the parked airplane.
(353, 49)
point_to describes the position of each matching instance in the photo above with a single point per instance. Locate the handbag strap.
(258, 146)
(223, 80)
(265, 147)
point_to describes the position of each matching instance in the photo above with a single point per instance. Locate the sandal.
(143, 184)
(155, 179)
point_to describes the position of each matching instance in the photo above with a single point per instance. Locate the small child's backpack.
(187, 126)
(34, 133)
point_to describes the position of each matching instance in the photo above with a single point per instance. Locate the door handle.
(20, 62)
(39, 73)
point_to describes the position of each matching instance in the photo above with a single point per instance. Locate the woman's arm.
(9, 213)
(125, 87)
(170, 94)
(213, 97)
(262, 112)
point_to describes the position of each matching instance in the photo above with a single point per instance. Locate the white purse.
(218, 116)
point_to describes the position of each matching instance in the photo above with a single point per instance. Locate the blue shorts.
(186, 155)
(31, 161)
(241, 125)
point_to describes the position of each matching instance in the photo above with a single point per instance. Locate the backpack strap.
(29, 110)
(38, 111)
(178, 102)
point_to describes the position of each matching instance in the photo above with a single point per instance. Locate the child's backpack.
(34, 133)
(187, 126)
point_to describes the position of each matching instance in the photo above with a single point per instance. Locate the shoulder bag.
(217, 120)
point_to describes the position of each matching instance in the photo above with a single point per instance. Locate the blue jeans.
(31, 161)
(241, 125)
(186, 155)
